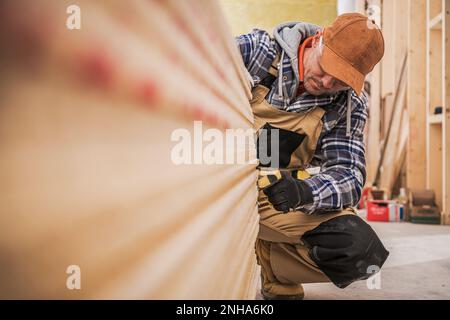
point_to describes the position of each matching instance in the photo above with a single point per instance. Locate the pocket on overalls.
(286, 143)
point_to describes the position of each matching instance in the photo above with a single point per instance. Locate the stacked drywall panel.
(92, 203)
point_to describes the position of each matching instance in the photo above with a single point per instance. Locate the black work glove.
(288, 193)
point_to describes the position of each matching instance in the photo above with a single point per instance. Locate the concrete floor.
(418, 266)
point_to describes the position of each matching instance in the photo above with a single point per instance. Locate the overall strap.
(272, 75)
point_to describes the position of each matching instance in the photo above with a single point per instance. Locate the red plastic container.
(377, 210)
(364, 197)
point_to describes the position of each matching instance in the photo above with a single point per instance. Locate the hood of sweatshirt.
(289, 35)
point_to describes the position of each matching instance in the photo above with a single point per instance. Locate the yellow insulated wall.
(91, 203)
(244, 15)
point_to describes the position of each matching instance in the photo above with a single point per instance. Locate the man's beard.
(314, 89)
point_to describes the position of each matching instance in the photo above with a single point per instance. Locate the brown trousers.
(283, 257)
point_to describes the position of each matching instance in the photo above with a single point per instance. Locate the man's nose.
(328, 81)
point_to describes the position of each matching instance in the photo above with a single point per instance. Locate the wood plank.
(436, 22)
(435, 162)
(434, 98)
(373, 124)
(401, 38)
(435, 8)
(398, 102)
(389, 34)
(416, 96)
(446, 110)
(386, 175)
(87, 169)
(398, 147)
(435, 119)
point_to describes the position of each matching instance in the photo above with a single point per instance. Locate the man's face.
(316, 81)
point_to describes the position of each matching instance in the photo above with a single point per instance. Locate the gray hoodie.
(289, 35)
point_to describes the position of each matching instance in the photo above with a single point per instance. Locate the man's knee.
(346, 249)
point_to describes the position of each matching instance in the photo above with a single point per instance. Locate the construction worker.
(307, 84)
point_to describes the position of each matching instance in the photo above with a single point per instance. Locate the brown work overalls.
(284, 258)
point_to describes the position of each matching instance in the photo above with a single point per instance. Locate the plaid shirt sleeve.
(343, 174)
(258, 52)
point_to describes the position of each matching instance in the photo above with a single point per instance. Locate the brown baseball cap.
(353, 45)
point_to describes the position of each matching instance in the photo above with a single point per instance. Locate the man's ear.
(316, 39)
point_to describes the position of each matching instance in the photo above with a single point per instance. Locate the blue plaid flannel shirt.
(340, 157)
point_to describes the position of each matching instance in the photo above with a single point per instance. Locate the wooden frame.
(446, 109)
(416, 96)
(428, 132)
(437, 84)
